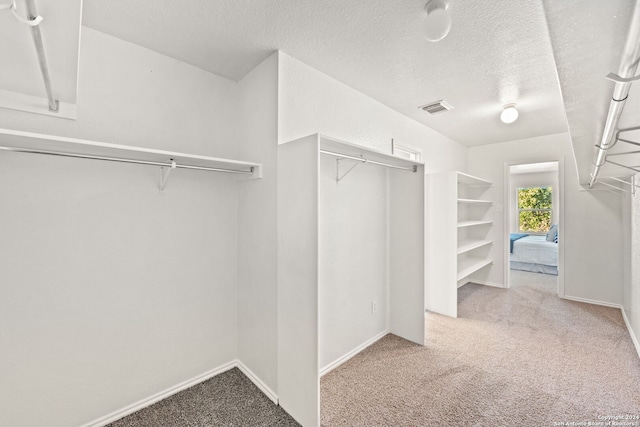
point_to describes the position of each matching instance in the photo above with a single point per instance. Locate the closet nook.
(458, 221)
(351, 260)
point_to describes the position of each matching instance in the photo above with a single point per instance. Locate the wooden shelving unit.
(459, 220)
(470, 265)
(469, 245)
(464, 224)
(474, 201)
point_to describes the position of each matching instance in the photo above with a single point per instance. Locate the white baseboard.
(121, 413)
(492, 284)
(258, 382)
(127, 410)
(634, 338)
(339, 361)
(591, 301)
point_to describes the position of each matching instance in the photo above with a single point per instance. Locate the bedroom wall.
(353, 258)
(631, 247)
(112, 292)
(592, 276)
(257, 225)
(311, 102)
(537, 179)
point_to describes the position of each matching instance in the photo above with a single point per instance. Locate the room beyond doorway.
(533, 224)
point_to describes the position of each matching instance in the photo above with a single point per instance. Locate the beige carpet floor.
(226, 400)
(517, 357)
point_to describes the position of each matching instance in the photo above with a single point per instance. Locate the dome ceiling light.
(437, 23)
(509, 113)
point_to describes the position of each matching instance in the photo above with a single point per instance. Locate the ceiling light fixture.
(509, 113)
(437, 23)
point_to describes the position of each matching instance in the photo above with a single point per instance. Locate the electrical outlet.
(374, 307)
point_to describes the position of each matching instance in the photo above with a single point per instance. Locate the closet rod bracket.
(166, 171)
(340, 177)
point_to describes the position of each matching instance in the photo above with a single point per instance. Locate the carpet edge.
(592, 301)
(342, 359)
(634, 338)
(257, 382)
(148, 401)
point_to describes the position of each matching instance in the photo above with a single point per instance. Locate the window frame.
(406, 152)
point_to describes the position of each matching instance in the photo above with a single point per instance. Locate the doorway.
(534, 224)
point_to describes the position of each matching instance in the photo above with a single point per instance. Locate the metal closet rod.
(413, 168)
(42, 58)
(627, 68)
(122, 160)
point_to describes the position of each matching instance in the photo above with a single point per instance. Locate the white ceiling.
(548, 56)
(20, 72)
(588, 37)
(496, 53)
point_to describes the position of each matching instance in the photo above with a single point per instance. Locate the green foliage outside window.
(534, 209)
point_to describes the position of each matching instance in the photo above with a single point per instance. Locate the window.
(405, 152)
(534, 209)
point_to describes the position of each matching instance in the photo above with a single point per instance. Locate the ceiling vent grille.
(436, 107)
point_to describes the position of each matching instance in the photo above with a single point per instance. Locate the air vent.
(436, 107)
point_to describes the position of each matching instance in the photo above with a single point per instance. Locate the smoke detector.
(436, 107)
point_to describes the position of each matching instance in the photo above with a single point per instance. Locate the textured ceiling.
(20, 72)
(588, 37)
(496, 53)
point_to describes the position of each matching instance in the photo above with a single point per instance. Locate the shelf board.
(351, 149)
(476, 201)
(471, 265)
(473, 223)
(58, 144)
(472, 244)
(464, 178)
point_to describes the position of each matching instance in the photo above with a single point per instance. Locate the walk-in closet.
(300, 213)
(351, 264)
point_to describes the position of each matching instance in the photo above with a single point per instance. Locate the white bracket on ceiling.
(616, 78)
(631, 184)
(165, 174)
(338, 176)
(30, 22)
(621, 190)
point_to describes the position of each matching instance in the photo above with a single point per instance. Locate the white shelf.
(469, 266)
(458, 233)
(472, 244)
(464, 178)
(350, 149)
(57, 144)
(475, 201)
(473, 223)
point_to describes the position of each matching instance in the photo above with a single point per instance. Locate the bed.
(534, 253)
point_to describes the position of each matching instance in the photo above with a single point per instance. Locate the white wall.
(353, 257)
(257, 222)
(631, 246)
(592, 218)
(298, 276)
(536, 179)
(133, 96)
(311, 102)
(112, 292)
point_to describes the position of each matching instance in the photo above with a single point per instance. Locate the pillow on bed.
(553, 232)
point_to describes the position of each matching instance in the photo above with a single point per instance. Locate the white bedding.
(535, 250)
